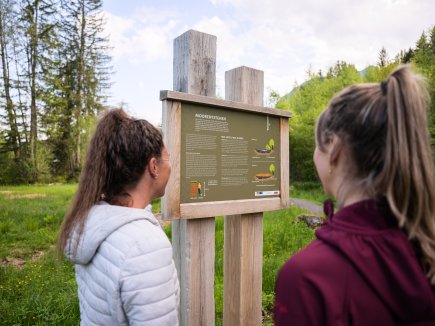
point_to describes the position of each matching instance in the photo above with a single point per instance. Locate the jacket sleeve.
(297, 299)
(149, 284)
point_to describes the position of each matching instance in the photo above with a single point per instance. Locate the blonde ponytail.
(407, 178)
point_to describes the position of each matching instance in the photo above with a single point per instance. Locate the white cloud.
(231, 48)
(287, 37)
(116, 27)
(284, 38)
(144, 37)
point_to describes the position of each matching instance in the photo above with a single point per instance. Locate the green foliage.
(272, 98)
(424, 60)
(12, 171)
(306, 102)
(376, 74)
(55, 71)
(284, 235)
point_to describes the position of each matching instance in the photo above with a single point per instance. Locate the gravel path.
(308, 205)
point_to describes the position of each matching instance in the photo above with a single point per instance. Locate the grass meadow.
(37, 288)
(311, 191)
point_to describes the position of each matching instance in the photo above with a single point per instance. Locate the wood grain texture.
(243, 252)
(228, 207)
(193, 240)
(195, 63)
(219, 103)
(285, 163)
(194, 247)
(171, 117)
(245, 85)
(243, 234)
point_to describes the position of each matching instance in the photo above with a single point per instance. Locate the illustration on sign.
(196, 189)
(228, 155)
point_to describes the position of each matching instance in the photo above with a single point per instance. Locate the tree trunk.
(33, 95)
(21, 106)
(80, 78)
(11, 117)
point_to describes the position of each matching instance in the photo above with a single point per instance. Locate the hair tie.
(384, 87)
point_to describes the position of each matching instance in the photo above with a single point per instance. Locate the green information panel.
(228, 155)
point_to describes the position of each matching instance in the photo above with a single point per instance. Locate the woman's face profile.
(164, 172)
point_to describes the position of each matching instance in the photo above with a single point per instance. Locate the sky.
(283, 38)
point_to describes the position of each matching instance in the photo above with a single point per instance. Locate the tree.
(383, 58)
(54, 71)
(306, 102)
(273, 98)
(13, 136)
(15, 141)
(424, 59)
(86, 72)
(376, 74)
(404, 56)
(38, 23)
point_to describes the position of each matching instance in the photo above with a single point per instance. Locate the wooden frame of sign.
(172, 206)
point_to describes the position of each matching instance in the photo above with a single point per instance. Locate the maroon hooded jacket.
(361, 270)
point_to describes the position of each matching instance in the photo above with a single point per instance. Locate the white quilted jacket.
(124, 269)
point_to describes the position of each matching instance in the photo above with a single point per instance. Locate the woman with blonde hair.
(373, 262)
(124, 267)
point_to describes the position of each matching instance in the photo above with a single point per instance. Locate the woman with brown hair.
(373, 262)
(124, 267)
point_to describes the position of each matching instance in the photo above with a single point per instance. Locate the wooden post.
(243, 235)
(194, 240)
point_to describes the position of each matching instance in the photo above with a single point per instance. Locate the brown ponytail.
(118, 153)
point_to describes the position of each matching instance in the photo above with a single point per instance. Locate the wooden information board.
(227, 157)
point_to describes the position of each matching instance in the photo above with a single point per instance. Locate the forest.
(55, 76)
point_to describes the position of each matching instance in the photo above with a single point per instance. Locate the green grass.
(30, 217)
(43, 290)
(312, 191)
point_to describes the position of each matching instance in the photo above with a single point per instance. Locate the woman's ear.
(335, 150)
(153, 168)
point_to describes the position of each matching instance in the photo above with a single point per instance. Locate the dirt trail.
(308, 205)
